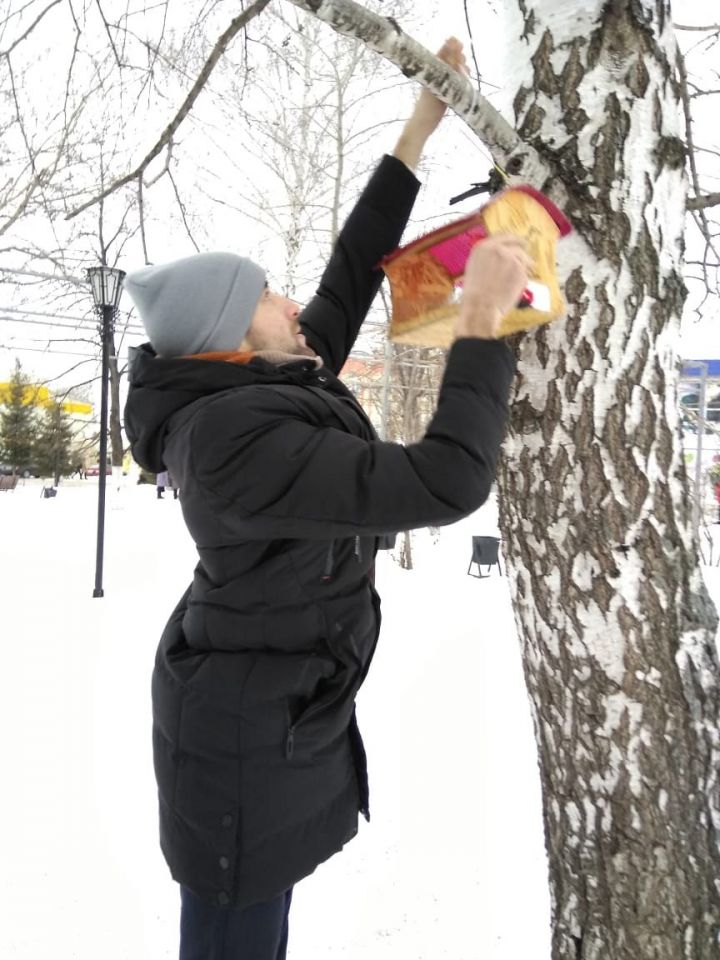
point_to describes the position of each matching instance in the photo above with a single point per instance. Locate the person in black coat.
(287, 489)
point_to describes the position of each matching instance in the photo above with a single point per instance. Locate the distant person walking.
(162, 480)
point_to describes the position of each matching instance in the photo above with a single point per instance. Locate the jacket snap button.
(227, 820)
(223, 899)
(224, 863)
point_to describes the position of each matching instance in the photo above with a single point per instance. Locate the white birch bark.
(616, 626)
(615, 623)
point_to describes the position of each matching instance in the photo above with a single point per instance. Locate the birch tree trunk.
(617, 629)
(616, 626)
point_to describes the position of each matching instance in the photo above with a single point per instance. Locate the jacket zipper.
(327, 572)
(327, 576)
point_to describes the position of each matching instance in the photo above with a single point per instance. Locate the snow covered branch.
(384, 36)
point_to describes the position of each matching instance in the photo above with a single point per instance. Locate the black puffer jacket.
(285, 489)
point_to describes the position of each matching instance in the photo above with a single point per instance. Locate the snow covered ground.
(452, 866)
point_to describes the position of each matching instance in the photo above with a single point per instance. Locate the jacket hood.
(162, 387)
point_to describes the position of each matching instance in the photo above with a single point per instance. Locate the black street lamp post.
(106, 283)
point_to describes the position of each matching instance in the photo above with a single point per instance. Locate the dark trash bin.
(485, 553)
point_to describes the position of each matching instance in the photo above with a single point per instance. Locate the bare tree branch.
(702, 203)
(472, 41)
(166, 166)
(218, 50)
(141, 216)
(680, 26)
(699, 211)
(384, 36)
(107, 30)
(183, 212)
(30, 29)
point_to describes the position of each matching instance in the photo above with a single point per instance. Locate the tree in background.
(53, 444)
(18, 423)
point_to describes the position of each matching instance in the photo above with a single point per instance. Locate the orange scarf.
(229, 356)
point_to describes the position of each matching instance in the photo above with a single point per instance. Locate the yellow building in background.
(40, 396)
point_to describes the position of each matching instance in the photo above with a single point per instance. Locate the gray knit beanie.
(199, 304)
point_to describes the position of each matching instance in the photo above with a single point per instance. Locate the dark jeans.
(258, 932)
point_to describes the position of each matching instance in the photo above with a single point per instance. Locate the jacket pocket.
(322, 719)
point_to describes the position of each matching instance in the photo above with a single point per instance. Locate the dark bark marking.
(544, 78)
(649, 189)
(575, 285)
(574, 173)
(575, 121)
(594, 486)
(572, 381)
(602, 592)
(585, 355)
(618, 37)
(532, 124)
(572, 323)
(525, 418)
(520, 101)
(645, 435)
(609, 141)
(541, 345)
(571, 76)
(644, 265)
(529, 27)
(664, 447)
(638, 78)
(670, 153)
(528, 22)
(657, 113)
(553, 411)
(606, 320)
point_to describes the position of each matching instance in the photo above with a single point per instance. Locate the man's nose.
(293, 308)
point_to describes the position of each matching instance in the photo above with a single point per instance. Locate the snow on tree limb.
(218, 50)
(384, 36)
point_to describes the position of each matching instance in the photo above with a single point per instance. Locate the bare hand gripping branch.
(218, 50)
(384, 36)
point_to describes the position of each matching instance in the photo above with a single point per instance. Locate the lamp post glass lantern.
(106, 284)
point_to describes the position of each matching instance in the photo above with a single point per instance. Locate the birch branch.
(384, 36)
(702, 203)
(714, 26)
(218, 50)
(36, 21)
